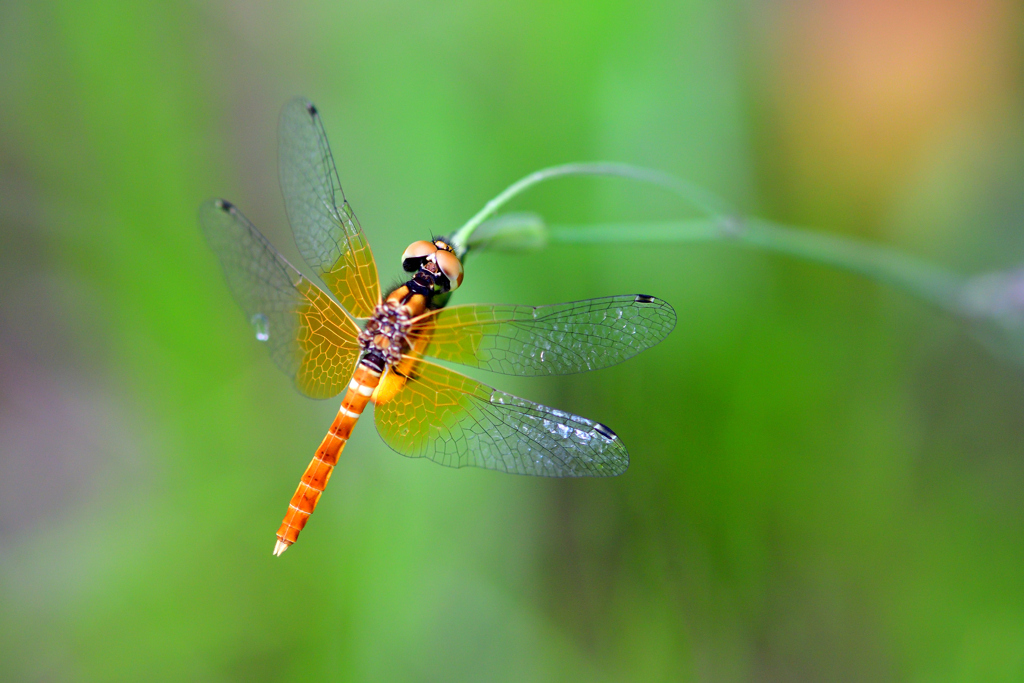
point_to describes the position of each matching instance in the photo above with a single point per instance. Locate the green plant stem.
(937, 285)
(703, 200)
(883, 264)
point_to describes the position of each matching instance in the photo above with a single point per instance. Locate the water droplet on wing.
(260, 323)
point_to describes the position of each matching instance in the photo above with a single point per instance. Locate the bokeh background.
(826, 474)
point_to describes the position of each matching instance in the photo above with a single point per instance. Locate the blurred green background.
(826, 475)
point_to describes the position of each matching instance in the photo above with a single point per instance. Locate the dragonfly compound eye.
(450, 265)
(415, 254)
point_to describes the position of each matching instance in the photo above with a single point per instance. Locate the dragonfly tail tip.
(280, 547)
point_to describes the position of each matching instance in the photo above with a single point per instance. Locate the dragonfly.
(347, 337)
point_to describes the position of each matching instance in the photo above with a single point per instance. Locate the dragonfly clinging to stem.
(377, 348)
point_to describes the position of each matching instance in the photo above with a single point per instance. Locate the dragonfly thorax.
(386, 331)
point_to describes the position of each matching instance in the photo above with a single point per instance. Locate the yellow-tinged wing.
(456, 421)
(326, 229)
(545, 340)
(307, 334)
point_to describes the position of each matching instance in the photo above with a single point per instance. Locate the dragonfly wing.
(456, 421)
(326, 230)
(546, 340)
(308, 335)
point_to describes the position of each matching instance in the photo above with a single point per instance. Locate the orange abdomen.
(314, 480)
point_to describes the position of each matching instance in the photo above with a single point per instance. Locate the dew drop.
(260, 323)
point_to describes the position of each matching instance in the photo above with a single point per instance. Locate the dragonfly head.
(437, 258)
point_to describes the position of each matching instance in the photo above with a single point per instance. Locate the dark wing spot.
(644, 299)
(225, 205)
(605, 431)
(311, 108)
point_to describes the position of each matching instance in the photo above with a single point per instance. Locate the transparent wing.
(326, 229)
(456, 421)
(308, 335)
(545, 340)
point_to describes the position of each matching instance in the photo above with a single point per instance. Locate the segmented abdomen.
(314, 480)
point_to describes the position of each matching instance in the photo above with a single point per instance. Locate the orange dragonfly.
(348, 338)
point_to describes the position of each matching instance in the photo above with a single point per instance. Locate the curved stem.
(703, 200)
(937, 285)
